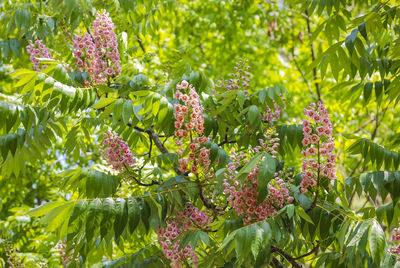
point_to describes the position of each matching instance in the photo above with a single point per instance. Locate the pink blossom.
(116, 152)
(324, 165)
(99, 51)
(38, 49)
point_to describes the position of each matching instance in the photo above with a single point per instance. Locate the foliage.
(218, 173)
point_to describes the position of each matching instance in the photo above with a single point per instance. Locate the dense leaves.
(250, 68)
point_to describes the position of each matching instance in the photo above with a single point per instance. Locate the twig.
(203, 199)
(302, 75)
(226, 141)
(162, 148)
(140, 43)
(153, 182)
(90, 33)
(151, 146)
(286, 255)
(313, 56)
(276, 264)
(315, 249)
(373, 136)
(318, 181)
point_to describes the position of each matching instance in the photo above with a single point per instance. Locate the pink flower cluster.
(271, 144)
(65, 257)
(98, 53)
(240, 78)
(273, 116)
(38, 50)
(396, 238)
(243, 195)
(318, 156)
(190, 122)
(170, 237)
(191, 110)
(116, 152)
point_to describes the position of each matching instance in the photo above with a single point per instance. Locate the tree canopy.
(201, 133)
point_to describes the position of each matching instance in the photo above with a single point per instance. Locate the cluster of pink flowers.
(116, 152)
(243, 195)
(98, 53)
(318, 156)
(38, 50)
(170, 237)
(189, 124)
(191, 110)
(12, 258)
(396, 238)
(65, 257)
(273, 116)
(271, 144)
(240, 77)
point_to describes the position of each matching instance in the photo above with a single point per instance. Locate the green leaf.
(358, 234)
(262, 238)
(108, 216)
(243, 241)
(133, 214)
(290, 210)
(118, 106)
(349, 42)
(121, 216)
(127, 111)
(249, 167)
(300, 211)
(43, 209)
(103, 102)
(93, 218)
(254, 117)
(240, 96)
(56, 217)
(266, 173)
(376, 241)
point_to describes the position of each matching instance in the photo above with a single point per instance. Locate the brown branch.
(140, 43)
(203, 199)
(90, 33)
(286, 255)
(161, 147)
(314, 250)
(151, 146)
(153, 182)
(226, 141)
(276, 264)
